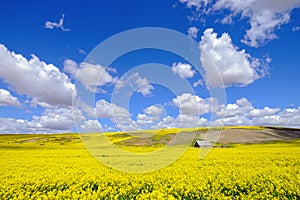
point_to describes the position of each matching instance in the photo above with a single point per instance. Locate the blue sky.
(45, 54)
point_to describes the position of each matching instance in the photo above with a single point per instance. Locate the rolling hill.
(226, 135)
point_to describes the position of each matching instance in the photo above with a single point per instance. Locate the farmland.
(59, 167)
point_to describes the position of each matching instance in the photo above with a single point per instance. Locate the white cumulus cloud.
(136, 82)
(105, 109)
(183, 70)
(240, 107)
(150, 116)
(52, 120)
(91, 126)
(118, 115)
(143, 120)
(90, 75)
(263, 112)
(242, 112)
(264, 17)
(189, 104)
(154, 111)
(58, 119)
(6, 99)
(224, 64)
(243, 107)
(42, 82)
(182, 120)
(287, 117)
(232, 121)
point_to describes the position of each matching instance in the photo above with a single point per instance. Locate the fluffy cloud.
(192, 32)
(191, 107)
(183, 70)
(11, 125)
(263, 112)
(60, 24)
(154, 111)
(121, 117)
(143, 120)
(136, 82)
(91, 126)
(6, 99)
(182, 121)
(105, 109)
(242, 112)
(241, 107)
(40, 81)
(90, 75)
(58, 119)
(195, 3)
(225, 64)
(166, 122)
(189, 104)
(288, 117)
(190, 121)
(51, 121)
(264, 17)
(126, 124)
(151, 115)
(117, 115)
(232, 121)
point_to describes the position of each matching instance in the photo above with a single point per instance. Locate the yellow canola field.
(33, 167)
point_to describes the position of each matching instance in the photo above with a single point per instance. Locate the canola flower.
(50, 167)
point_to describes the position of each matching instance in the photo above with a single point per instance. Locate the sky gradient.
(44, 60)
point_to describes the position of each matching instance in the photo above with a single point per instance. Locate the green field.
(60, 167)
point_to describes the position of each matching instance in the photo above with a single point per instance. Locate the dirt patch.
(53, 139)
(149, 141)
(34, 140)
(256, 136)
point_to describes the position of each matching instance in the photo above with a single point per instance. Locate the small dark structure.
(203, 144)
